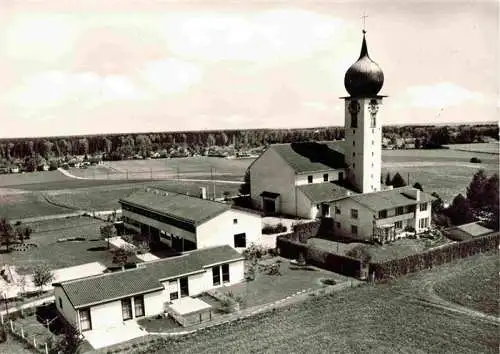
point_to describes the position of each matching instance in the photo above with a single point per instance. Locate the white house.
(281, 169)
(382, 216)
(109, 300)
(185, 223)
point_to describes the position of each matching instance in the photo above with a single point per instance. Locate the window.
(341, 176)
(325, 209)
(240, 240)
(60, 303)
(373, 122)
(354, 229)
(174, 295)
(423, 207)
(126, 309)
(423, 223)
(398, 225)
(400, 211)
(353, 143)
(216, 275)
(85, 321)
(373, 142)
(353, 154)
(235, 221)
(338, 225)
(139, 306)
(184, 286)
(337, 210)
(309, 179)
(354, 121)
(325, 177)
(353, 165)
(373, 153)
(354, 213)
(225, 273)
(382, 214)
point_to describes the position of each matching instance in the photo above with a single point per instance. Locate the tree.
(245, 187)
(460, 211)
(106, 232)
(388, 179)
(7, 235)
(23, 233)
(69, 342)
(398, 181)
(437, 204)
(122, 255)
(491, 199)
(476, 190)
(42, 275)
(418, 186)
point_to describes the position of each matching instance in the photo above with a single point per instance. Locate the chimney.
(417, 195)
(203, 192)
(348, 193)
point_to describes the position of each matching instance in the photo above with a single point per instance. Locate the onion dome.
(364, 78)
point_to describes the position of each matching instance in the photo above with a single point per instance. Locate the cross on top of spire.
(364, 21)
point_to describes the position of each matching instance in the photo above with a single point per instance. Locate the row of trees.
(118, 145)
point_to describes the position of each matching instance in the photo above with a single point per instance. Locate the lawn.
(476, 287)
(492, 148)
(266, 288)
(159, 324)
(62, 254)
(27, 205)
(368, 319)
(15, 346)
(17, 179)
(380, 253)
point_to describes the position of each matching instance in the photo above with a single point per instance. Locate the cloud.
(171, 75)
(287, 34)
(440, 95)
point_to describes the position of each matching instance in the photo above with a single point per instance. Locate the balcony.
(392, 219)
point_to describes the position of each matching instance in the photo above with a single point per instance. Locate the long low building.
(186, 223)
(108, 300)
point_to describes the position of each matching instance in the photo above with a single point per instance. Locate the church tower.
(363, 123)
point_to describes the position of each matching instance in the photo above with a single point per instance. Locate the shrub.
(475, 160)
(409, 229)
(274, 229)
(360, 252)
(254, 252)
(3, 334)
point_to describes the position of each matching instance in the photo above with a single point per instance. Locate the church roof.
(392, 198)
(324, 192)
(312, 156)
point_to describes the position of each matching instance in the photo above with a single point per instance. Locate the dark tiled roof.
(390, 199)
(146, 278)
(191, 209)
(101, 288)
(323, 192)
(312, 156)
(191, 262)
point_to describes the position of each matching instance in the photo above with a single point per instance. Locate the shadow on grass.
(99, 248)
(3, 251)
(311, 269)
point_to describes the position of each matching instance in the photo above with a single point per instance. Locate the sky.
(109, 66)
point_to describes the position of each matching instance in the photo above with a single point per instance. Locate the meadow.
(384, 318)
(61, 254)
(492, 148)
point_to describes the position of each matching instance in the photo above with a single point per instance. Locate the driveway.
(106, 337)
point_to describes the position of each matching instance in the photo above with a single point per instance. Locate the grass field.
(476, 287)
(386, 318)
(492, 148)
(27, 205)
(62, 254)
(13, 346)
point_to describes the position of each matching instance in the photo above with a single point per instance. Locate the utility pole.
(151, 173)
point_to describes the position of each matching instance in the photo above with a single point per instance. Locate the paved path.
(30, 304)
(172, 178)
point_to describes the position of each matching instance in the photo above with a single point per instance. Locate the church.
(342, 179)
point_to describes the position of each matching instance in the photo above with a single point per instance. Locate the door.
(269, 206)
(85, 322)
(325, 210)
(184, 285)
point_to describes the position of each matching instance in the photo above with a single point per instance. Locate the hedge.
(426, 260)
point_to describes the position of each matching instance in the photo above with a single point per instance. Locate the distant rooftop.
(312, 156)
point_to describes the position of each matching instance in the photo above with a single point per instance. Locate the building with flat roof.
(186, 223)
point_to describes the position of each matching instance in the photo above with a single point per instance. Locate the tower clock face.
(354, 107)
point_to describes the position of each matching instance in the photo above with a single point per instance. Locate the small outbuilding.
(189, 311)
